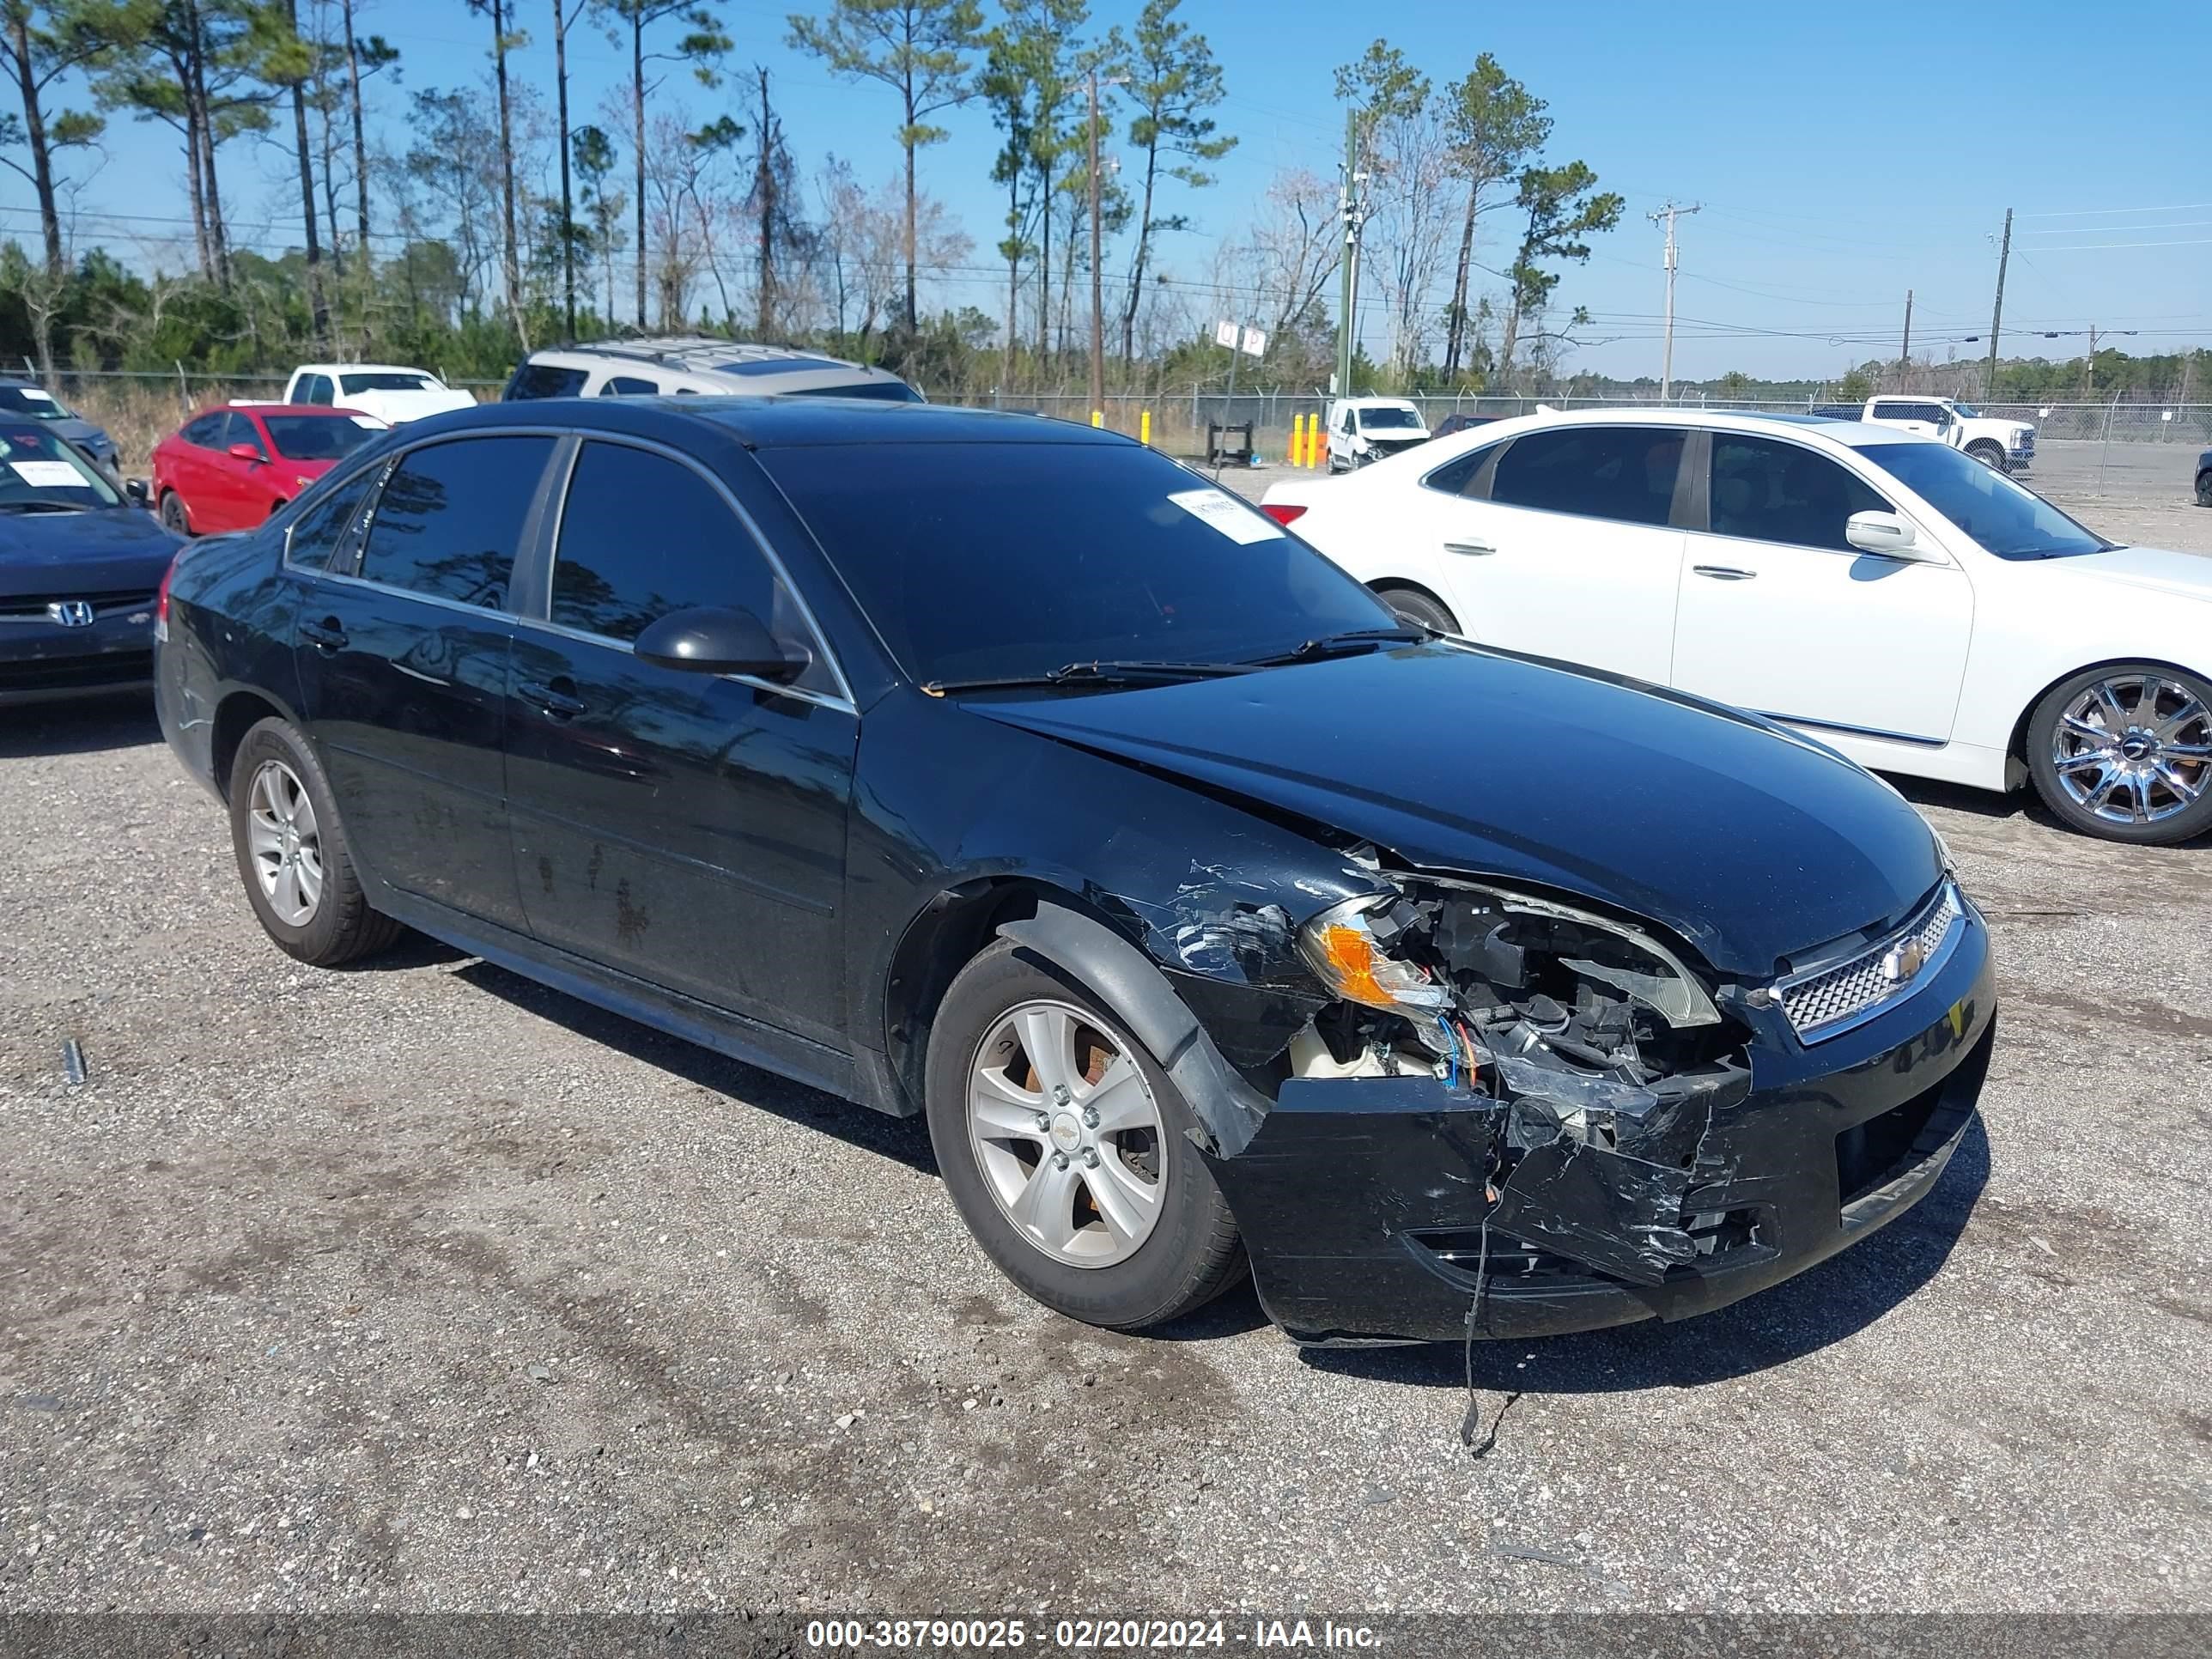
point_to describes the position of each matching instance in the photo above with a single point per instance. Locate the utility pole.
(1668, 214)
(1996, 313)
(1098, 298)
(1905, 357)
(1354, 213)
(2089, 368)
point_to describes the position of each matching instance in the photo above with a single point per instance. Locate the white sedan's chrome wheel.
(2133, 748)
(1067, 1134)
(285, 842)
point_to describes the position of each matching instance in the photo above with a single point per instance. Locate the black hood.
(1751, 843)
(113, 550)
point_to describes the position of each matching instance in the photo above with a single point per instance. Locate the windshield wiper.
(1353, 639)
(39, 506)
(1096, 674)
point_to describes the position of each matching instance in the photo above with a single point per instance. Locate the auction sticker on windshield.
(1226, 514)
(48, 475)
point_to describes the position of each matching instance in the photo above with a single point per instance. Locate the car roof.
(769, 422)
(701, 354)
(360, 368)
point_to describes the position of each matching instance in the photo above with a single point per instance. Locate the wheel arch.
(239, 713)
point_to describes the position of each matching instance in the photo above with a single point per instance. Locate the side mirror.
(136, 489)
(719, 640)
(246, 453)
(1884, 533)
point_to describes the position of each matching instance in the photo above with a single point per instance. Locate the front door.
(686, 829)
(403, 671)
(1780, 614)
(1573, 553)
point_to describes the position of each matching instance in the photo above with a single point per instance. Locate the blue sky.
(1842, 155)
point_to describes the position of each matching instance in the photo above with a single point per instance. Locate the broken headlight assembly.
(1467, 980)
(1602, 1053)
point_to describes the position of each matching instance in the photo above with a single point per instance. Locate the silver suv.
(694, 365)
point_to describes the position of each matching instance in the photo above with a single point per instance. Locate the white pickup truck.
(389, 392)
(2008, 445)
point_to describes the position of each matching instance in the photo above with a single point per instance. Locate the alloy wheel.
(2133, 748)
(1067, 1134)
(285, 842)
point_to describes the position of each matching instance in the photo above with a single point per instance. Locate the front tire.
(1414, 606)
(2204, 489)
(2125, 753)
(1064, 1147)
(292, 853)
(1990, 455)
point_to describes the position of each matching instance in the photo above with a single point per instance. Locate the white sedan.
(1882, 592)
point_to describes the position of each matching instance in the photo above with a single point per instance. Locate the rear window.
(319, 437)
(446, 524)
(1624, 473)
(544, 380)
(882, 392)
(980, 560)
(349, 383)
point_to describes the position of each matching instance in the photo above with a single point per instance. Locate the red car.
(230, 468)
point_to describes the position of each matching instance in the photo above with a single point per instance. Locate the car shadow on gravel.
(1840, 1297)
(748, 1087)
(123, 720)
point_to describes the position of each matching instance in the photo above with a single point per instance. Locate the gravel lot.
(419, 1287)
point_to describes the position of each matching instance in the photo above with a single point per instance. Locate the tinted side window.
(205, 431)
(315, 389)
(1771, 491)
(1620, 472)
(1893, 413)
(327, 526)
(240, 431)
(1458, 477)
(629, 386)
(544, 380)
(613, 575)
(449, 518)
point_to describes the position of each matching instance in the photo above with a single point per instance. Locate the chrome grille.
(32, 607)
(1822, 1003)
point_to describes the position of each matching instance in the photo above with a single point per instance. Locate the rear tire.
(1185, 1251)
(1415, 606)
(1989, 454)
(2204, 489)
(2110, 752)
(174, 519)
(292, 854)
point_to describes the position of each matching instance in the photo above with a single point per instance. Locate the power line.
(2092, 213)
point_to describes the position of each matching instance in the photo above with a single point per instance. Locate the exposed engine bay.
(1607, 1056)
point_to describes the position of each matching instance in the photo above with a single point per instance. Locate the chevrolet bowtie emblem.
(1906, 960)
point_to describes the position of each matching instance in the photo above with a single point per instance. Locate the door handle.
(1724, 573)
(324, 635)
(1471, 548)
(550, 701)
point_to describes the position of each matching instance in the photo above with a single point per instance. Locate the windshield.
(1375, 420)
(319, 437)
(980, 561)
(31, 401)
(38, 470)
(2006, 519)
(352, 383)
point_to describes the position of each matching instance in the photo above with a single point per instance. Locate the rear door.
(1780, 614)
(402, 647)
(193, 467)
(685, 829)
(1565, 545)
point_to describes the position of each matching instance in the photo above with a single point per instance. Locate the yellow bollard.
(1316, 441)
(1306, 442)
(1098, 417)
(1297, 431)
(1144, 428)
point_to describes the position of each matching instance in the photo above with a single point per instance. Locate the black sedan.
(80, 570)
(1007, 772)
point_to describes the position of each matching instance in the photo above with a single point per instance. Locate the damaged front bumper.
(1374, 1211)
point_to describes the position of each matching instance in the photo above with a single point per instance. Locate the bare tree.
(1296, 244)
